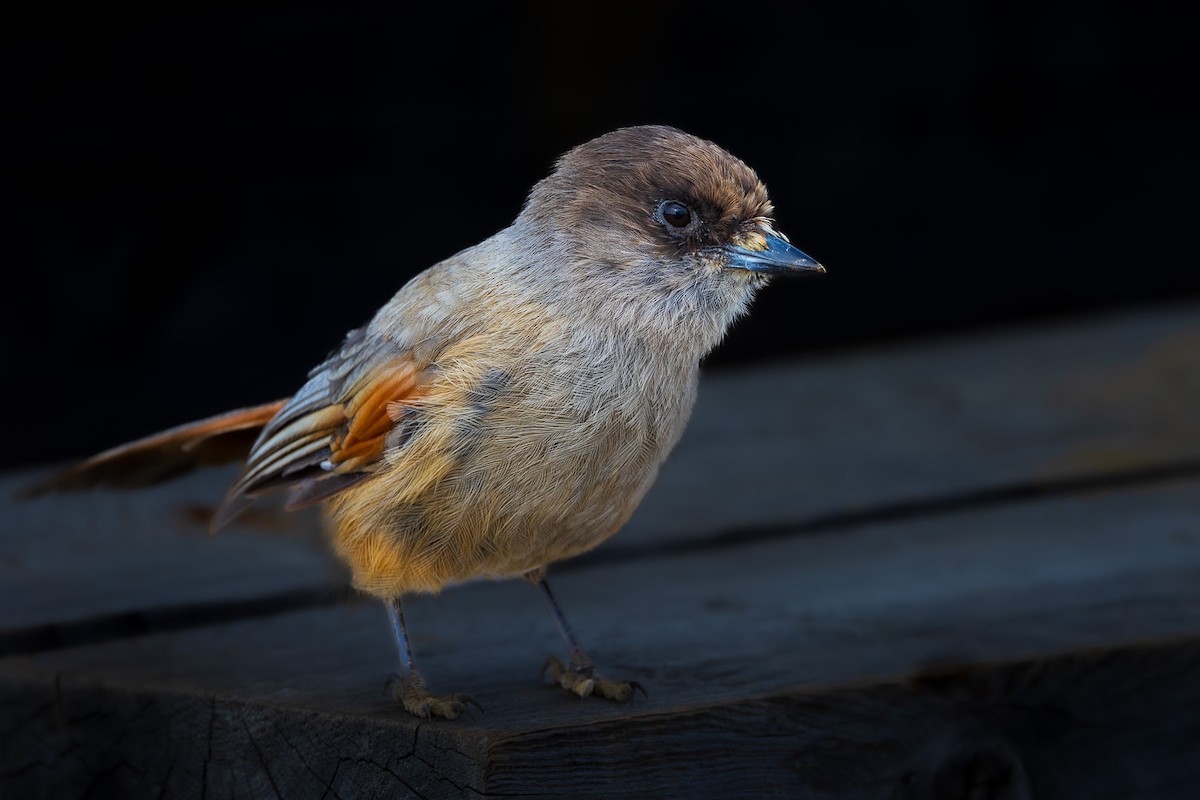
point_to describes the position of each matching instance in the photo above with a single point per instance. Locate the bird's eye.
(675, 214)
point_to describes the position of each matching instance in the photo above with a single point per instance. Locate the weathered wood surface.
(991, 642)
(1080, 615)
(811, 442)
(86, 566)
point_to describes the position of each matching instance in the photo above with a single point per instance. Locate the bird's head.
(666, 225)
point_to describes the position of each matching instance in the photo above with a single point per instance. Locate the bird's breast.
(517, 456)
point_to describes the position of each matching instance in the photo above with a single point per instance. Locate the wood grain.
(1047, 649)
(981, 579)
(775, 447)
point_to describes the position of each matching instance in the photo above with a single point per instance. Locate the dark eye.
(675, 214)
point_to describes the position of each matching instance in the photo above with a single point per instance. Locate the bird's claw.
(582, 679)
(410, 691)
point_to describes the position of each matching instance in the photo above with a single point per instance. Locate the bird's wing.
(329, 436)
(217, 440)
(333, 432)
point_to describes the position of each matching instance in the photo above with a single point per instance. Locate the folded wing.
(334, 432)
(331, 435)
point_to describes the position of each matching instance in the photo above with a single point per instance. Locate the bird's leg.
(408, 687)
(580, 675)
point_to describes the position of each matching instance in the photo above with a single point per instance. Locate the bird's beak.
(776, 257)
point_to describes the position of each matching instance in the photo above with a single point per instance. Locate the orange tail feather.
(217, 440)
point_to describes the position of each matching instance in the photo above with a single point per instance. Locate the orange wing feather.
(327, 439)
(329, 436)
(369, 419)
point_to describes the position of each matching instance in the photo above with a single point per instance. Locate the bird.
(510, 406)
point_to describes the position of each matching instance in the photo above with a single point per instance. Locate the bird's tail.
(217, 440)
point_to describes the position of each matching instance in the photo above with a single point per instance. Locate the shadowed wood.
(1047, 649)
(785, 444)
(1055, 727)
(1029, 405)
(122, 559)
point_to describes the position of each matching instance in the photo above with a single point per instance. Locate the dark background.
(200, 202)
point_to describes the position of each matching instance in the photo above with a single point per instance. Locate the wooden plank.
(117, 559)
(856, 430)
(1066, 728)
(1050, 648)
(769, 446)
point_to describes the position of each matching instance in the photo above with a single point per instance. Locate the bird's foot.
(583, 680)
(410, 691)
